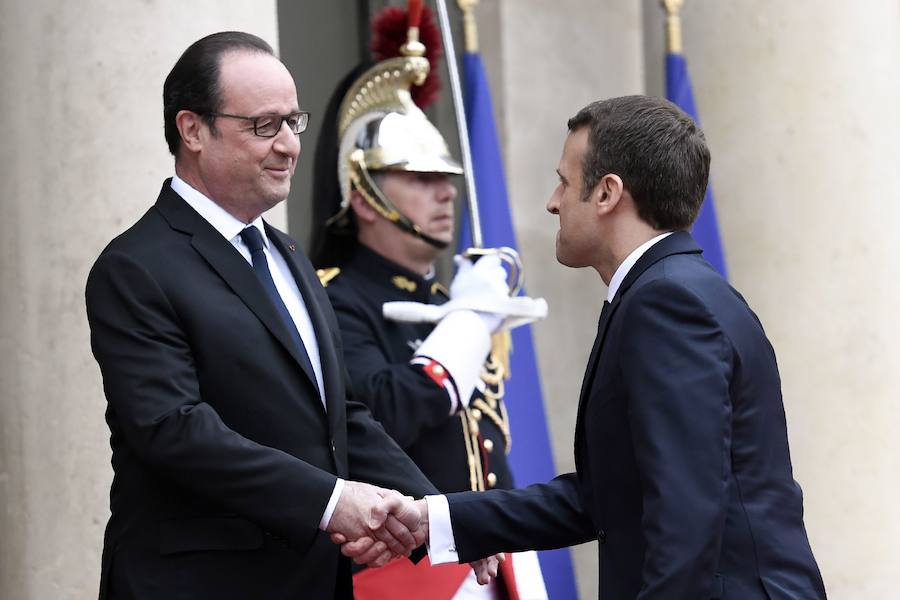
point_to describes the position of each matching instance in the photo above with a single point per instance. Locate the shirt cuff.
(332, 504)
(441, 544)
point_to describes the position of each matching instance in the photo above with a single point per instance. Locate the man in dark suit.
(683, 472)
(233, 443)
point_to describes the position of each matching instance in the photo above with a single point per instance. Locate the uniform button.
(488, 445)
(476, 414)
(491, 480)
(601, 535)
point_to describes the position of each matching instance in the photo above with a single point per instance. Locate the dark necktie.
(253, 238)
(603, 312)
(595, 350)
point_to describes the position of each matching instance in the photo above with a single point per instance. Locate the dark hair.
(331, 246)
(659, 152)
(193, 83)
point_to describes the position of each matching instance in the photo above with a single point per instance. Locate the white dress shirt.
(230, 228)
(441, 543)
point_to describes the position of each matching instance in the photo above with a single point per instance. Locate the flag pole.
(470, 29)
(673, 25)
(461, 125)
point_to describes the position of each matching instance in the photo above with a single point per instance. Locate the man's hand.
(383, 517)
(486, 569)
(373, 552)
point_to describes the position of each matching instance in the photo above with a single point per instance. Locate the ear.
(608, 193)
(189, 125)
(364, 212)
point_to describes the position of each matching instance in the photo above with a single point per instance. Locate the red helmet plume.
(389, 33)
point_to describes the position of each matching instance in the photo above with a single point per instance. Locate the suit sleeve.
(401, 396)
(676, 366)
(156, 409)
(374, 457)
(542, 516)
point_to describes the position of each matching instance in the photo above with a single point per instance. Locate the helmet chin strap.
(363, 182)
(409, 227)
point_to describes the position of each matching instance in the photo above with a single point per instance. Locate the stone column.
(83, 156)
(799, 103)
(546, 60)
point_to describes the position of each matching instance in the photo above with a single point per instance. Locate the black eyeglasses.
(269, 125)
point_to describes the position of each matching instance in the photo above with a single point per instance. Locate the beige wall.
(82, 157)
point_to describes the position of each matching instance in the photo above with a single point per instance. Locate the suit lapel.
(591, 369)
(331, 375)
(225, 260)
(602, 326)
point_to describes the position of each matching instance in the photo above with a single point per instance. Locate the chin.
(566, 261)
(275, 195)
(443, 235)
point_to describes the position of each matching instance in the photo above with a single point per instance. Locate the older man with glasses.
(233, 446)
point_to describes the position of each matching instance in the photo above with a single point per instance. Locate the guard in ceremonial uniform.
(384, 194)
(412, 396)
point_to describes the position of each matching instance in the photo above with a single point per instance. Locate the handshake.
(374, 526)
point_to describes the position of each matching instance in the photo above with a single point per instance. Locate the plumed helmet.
(380, 128)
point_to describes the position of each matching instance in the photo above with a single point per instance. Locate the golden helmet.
(380, 128)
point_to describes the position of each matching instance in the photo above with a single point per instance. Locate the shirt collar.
(629, 261)
(221, 220)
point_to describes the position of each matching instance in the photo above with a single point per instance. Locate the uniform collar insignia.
(404, 283)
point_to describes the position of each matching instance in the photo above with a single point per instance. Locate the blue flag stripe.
(706, 227)
(531, 458)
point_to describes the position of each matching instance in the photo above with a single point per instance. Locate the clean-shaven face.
(425, 198)
(243, 172)
(576, 240)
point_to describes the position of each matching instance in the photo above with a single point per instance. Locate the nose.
(447, 192)
(287, 142)
(553, 202)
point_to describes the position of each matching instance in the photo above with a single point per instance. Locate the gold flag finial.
(673, 25)
(470, 29)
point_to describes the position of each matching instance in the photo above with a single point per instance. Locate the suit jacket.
(224, 457)
(683, 469)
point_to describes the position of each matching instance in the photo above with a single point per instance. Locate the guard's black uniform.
(413, 408)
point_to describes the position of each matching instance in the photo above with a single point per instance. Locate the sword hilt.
(515, 278)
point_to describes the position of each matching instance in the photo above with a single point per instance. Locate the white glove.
(487, 277)
(513, 312)
(483, 283)
(460, 343)
(479, 305)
